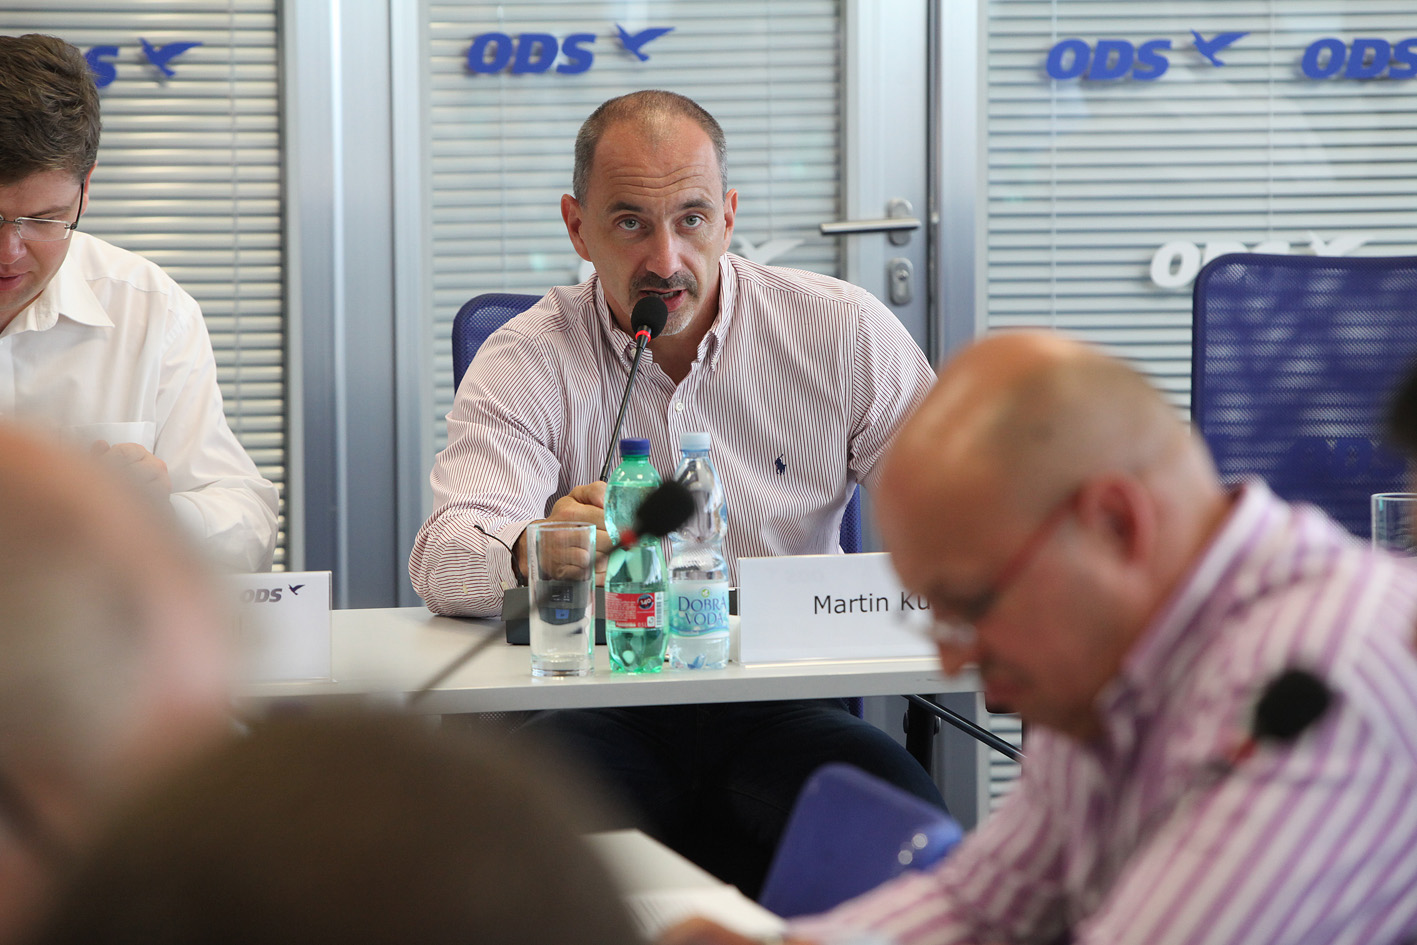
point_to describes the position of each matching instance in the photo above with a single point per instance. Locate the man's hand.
(583, 504)
(135, 463)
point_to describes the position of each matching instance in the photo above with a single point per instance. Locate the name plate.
(283, 625)
(815, 607)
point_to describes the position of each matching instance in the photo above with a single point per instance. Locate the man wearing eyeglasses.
(1076, 545)
(96, 342)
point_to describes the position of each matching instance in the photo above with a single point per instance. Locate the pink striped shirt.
(1137, 839)
(802, 381)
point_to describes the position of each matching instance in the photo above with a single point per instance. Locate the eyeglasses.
(957, 629)
(40, 230)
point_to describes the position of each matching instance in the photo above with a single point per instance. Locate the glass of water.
(1392, 522)
(561, 569)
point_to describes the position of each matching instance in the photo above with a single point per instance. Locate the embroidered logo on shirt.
(781, 466)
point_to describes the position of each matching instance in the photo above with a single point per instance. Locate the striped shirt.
(802, 380)
(1142, 837)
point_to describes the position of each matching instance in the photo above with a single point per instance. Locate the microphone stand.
(641, 339)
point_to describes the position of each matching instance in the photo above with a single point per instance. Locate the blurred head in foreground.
(1402, 421)
(1044, 499)
(113, 664)
(348, 830)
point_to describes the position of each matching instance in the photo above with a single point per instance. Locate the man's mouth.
(9, 282)
(672, 298)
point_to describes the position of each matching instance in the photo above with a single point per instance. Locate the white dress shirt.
(802, 381)
(114, 350)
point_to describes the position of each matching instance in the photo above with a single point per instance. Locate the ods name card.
(283, 625)
(816, 607)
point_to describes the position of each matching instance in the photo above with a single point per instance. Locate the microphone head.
(651, 313)
(664, 509)
(1290, 703)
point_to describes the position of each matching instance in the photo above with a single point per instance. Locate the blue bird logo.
(633, 42)
(1209, 47)
(781, 466)
(160, 56)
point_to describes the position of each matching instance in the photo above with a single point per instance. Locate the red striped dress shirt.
(802, 381)
(1139, 838)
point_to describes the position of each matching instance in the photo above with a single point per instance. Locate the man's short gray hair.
(646, 105)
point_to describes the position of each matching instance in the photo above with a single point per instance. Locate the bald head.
(112, 653)
(1047, 494)
(653, 114)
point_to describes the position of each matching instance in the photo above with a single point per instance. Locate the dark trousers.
(716, 782)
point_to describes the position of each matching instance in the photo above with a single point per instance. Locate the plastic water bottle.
(634, 577)
(698, 572)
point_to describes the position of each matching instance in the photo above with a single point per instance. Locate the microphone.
(663, 511)
(1288, 705)
(647, 320)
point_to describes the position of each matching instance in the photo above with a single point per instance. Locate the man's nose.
(11, 246)
(956, 656)
(664, 256)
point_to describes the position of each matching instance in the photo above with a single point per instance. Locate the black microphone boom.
(646, 320)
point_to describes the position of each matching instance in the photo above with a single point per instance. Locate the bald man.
(1075, 544)
(112, 658)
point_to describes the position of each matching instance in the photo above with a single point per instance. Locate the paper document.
(658, 909)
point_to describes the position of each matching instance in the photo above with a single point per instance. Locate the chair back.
(1293, 361)
(848, 832)
(478, 318)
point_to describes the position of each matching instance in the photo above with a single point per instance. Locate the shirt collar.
(68, 294)
(1158, 655)
(710, 348)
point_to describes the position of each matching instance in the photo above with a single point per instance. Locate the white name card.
(813, 607)
(283, 625)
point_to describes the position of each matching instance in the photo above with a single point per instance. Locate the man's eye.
(693, 219)
(629, 224)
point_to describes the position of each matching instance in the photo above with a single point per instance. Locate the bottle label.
(634, 611)
(698, 607)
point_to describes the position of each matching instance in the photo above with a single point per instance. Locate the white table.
(393, 651)
(661, 887)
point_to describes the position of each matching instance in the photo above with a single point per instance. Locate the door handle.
(897, 223)
(892, 225)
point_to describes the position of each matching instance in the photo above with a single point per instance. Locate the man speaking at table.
(97, 343)
(1221, 686)
(801, 380)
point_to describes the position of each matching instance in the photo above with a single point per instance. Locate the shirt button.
(679, 407)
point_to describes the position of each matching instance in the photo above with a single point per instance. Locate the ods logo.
(1364, 59)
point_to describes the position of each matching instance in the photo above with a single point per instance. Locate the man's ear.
(1120, 512)
(571, 213)
(730, 211)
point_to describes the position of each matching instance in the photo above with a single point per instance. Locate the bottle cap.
(634, 447)
(695, 442)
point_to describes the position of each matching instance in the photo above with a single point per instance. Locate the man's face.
(26, 266)
(1045, 636)
(655, 221)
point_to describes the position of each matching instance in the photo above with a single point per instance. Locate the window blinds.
(189, 176)
(1088, 179)
(500, 154)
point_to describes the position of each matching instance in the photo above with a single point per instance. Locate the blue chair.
(478, 318)
(1293, 361)
(848, 832)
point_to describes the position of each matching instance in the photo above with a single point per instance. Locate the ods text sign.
(283, 625)
(814, 607)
